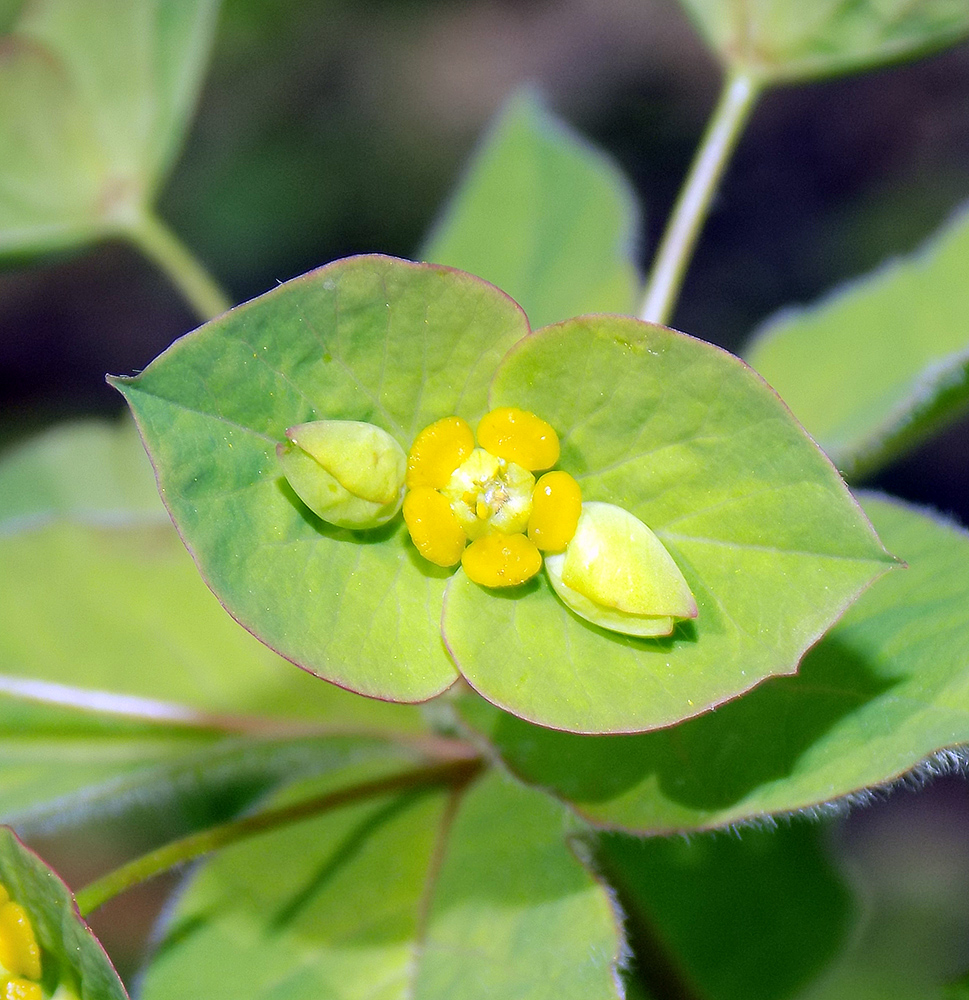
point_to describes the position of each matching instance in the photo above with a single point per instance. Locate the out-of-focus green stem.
(737, 100)
(161, 245)
(454, 774)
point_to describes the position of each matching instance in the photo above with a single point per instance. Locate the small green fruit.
(617, 574)
(349, 473)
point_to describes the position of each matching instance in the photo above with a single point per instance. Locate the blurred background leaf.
(410, 894)
(545, 216)
(784, 40)
(879, 365)
(95, 97)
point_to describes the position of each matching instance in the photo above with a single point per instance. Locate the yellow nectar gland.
(520, 437)
(556, 506)
(19, 953)
(437, 451)
(16, 988)
(433, 527)
(499, 560)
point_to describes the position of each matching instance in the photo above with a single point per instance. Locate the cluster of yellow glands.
(479, 504)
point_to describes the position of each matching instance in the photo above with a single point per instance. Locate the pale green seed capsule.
(617, 574)
(349, 473)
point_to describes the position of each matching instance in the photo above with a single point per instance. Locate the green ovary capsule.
(617, 574)
(347, 472)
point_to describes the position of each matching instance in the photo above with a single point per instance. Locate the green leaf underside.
(71, 953)
(752, 917)
(90, 118)
(371, 338)
(877, 366)
(885, 688)
(544, 216)
(403, 896)
(694, 444)
(781, 41)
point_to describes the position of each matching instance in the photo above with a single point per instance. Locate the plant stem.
(737, 99)
(453, 773)
(189, 276)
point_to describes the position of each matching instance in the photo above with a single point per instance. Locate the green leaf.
(94, 100)
(781, 41)
(748, 917)
(71, 954)
(387, 342)
(685, 437)
(885, 689)
(417, 895)
(87, 471)
(544, 216)
(879, 365)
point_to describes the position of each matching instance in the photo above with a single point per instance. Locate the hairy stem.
(455, 773)
(737, 100)
(189, 276)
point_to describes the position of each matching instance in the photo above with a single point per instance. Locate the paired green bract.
(674, 430)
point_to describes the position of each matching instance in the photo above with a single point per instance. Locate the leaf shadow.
(714, 760)
(348, 848)
(370, 536)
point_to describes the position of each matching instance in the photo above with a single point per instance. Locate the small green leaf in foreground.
(71, 954)
(885, 688)
(781, 41)
(545, 216)
(426, 895)
(873, 369)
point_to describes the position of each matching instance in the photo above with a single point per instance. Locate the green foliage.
(877, 366)
(771, 899)
(409, 895)
(886, 687)
(490, 842)
(780, 41)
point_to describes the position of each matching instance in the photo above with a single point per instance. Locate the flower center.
(490, 494)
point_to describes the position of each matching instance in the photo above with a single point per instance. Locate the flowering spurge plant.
(681, 436)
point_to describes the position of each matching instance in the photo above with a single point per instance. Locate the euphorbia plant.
(566, 578)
